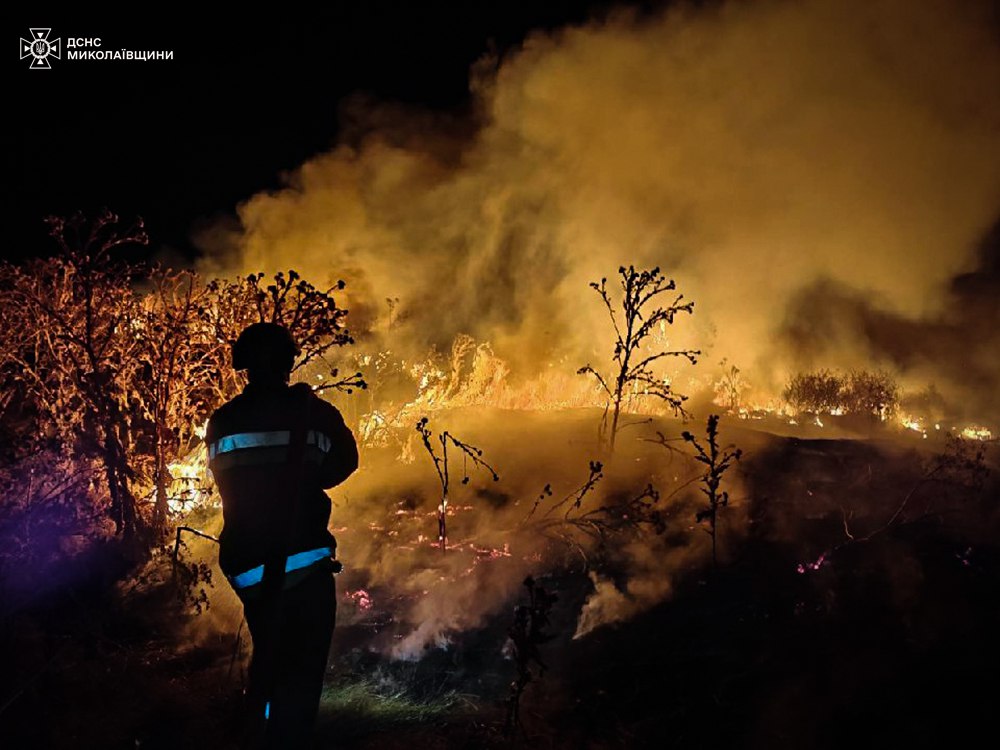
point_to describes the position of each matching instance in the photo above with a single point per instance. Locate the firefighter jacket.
(250, 446)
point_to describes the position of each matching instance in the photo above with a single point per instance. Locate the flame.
(187, 488)
(977, 432)
(910, 422)
(474, 376)
(190, 482)
(762, 408)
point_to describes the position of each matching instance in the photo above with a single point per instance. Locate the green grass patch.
(367, 706)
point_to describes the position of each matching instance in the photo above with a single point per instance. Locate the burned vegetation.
(692, 572)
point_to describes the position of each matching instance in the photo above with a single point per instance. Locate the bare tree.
(178, 369)
(730, 387)
(816, 392)
(77, 344)
(874, 394)
(641, 316)
(871, 393)
(311, 314)
(119, 363)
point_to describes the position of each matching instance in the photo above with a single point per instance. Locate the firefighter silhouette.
(273, 449)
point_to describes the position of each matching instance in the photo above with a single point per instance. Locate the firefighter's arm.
(342, 459)
(211, 433)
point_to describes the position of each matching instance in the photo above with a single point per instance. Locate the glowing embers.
(359, 598)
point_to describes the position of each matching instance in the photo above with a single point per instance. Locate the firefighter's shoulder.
(219, 419)
(321, 407)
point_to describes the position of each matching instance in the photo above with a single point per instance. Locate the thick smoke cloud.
(748, 148)
(816, 175)
(956, 349)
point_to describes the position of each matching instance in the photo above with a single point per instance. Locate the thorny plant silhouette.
(527, 633)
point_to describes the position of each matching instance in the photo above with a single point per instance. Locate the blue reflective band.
(249, 440)
(293, 562)
(273, 439)
(267, 710)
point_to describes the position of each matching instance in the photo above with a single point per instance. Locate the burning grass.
(433, 566)
(402, 595)
(418, 654)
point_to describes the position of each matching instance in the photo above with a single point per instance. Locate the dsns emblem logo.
(39, 48)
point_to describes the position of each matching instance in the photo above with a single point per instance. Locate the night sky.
(182, 142)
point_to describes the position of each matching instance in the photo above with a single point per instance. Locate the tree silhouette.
(729, 388)
(873, 394)
(73, 321)
(117, 364)
(717, 462)
(641, 316)
(816, 392)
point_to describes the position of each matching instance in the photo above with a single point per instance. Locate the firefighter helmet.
(265, 346)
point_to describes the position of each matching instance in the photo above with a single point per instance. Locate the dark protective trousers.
(295, 645)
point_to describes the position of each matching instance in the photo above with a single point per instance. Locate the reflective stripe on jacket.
(249, 440)
(292, 563)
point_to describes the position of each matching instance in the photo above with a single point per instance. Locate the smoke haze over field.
(755, 151)
(821, 177)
